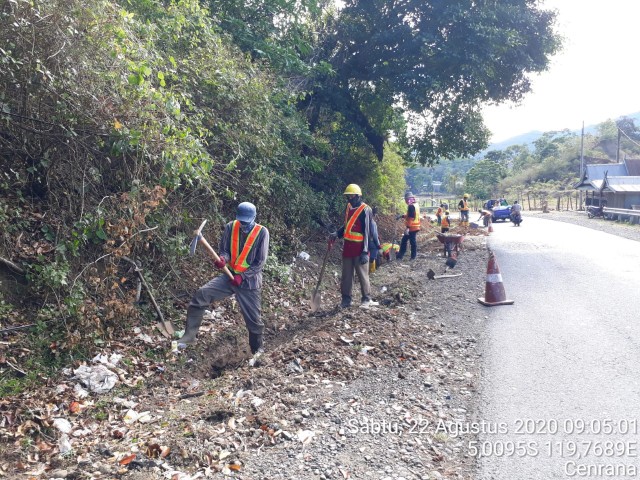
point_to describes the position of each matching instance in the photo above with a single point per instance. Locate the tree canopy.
(433, 63)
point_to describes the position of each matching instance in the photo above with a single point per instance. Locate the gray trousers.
(346, 285)
(248, 300)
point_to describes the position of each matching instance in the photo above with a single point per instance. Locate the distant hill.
(530, 137)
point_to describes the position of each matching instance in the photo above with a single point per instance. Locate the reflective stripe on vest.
(445, 221)
(414, 223)
(238, 261)
(350, 221)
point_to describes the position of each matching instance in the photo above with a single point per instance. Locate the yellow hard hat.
(466, 195)
(446, 212)
(352, 189)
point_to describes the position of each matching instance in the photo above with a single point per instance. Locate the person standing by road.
(243, 250)
(439, 213)
(412, 227)
(356, 233)
(463, 206)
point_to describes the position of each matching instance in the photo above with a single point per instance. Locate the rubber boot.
(346, 302)
(255, 342)
(194, 319)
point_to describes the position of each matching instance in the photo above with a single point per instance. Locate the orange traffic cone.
(494, 289)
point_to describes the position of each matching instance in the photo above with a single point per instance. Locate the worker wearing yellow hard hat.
(463, 206)
(356, 231)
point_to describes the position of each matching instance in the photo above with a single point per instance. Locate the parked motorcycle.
(593, 211)
(516, 218)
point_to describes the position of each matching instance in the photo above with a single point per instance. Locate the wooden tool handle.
(215, 256)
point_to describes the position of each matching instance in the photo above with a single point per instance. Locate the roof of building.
(633, 166)
(623, 184)
(594, 173)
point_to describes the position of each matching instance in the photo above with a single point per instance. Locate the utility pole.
(618, 151)
(581, 161)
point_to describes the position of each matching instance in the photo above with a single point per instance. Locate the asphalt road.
(560, 392)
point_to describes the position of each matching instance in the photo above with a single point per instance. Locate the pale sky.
(594, 78)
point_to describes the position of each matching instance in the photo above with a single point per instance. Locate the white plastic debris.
(305, 436)
(132, 416)
(97, 378)
(62, 424)
(294, 366)
(64, 445)
(145, 338)
(80, 392)
(110, 361)
(209, 315)
(304, 256)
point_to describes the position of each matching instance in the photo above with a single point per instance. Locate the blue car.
(501, 212)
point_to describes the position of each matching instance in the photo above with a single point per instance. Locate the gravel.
(621, 229)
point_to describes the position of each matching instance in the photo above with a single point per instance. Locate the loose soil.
(343, 393)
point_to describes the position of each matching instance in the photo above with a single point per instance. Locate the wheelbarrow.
(451, 241)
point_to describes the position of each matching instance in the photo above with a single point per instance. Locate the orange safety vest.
(465, 206)
(439, 212)
(350, 221)
(238, 261)
(413, 224)
(445, 221)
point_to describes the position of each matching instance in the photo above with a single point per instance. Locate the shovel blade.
(315, 301)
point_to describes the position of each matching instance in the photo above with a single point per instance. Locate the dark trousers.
(411, 238)
(249, 302)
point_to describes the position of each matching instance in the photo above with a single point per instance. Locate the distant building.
(615, 184)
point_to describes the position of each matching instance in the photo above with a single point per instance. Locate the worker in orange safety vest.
(412, 227)
(244, 248)
(356, 233)
(463, 206)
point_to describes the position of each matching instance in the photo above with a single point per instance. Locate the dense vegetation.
(123, 123)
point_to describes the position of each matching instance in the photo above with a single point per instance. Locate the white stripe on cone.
(494, 278)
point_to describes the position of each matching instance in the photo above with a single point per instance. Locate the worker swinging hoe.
(199, 238)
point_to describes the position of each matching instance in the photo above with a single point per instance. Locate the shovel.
(316, 298)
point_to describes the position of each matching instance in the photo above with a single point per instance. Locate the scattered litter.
(366, 348)
(110, 361)
(209, 315)
(62, 424)
(97, 378)
(305, 436)
(369, 304)
(79, 392)
(304, 256)
(294, 366)
(64, 444)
